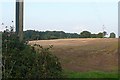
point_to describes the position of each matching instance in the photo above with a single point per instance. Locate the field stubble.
(85, 54)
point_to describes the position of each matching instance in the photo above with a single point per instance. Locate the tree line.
(46, 35)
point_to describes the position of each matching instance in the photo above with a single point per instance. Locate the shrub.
(24, 61)
(112, 35)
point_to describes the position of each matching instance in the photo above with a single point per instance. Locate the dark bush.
(24, 61)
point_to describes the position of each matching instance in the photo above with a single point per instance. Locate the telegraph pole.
(103, 30)
(19, 18)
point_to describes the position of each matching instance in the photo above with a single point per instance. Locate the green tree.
(93, 35)
(85, 34)
(38, 35)
(112, 35)
(100, 35)
(104, 33)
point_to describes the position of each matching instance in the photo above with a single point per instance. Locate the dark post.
(19, 19)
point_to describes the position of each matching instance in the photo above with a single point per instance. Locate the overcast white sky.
(66, 15)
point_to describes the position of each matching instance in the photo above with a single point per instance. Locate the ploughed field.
(90, 54)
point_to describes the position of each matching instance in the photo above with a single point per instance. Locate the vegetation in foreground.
(23, 61)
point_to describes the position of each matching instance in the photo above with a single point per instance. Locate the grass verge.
(90, 74)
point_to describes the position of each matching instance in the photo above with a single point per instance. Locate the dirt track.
(85, 54)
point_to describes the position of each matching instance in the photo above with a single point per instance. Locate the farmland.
(83, 55)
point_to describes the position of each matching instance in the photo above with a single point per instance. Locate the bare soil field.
(92, 54)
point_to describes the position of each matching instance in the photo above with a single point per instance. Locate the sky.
(72, 16)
